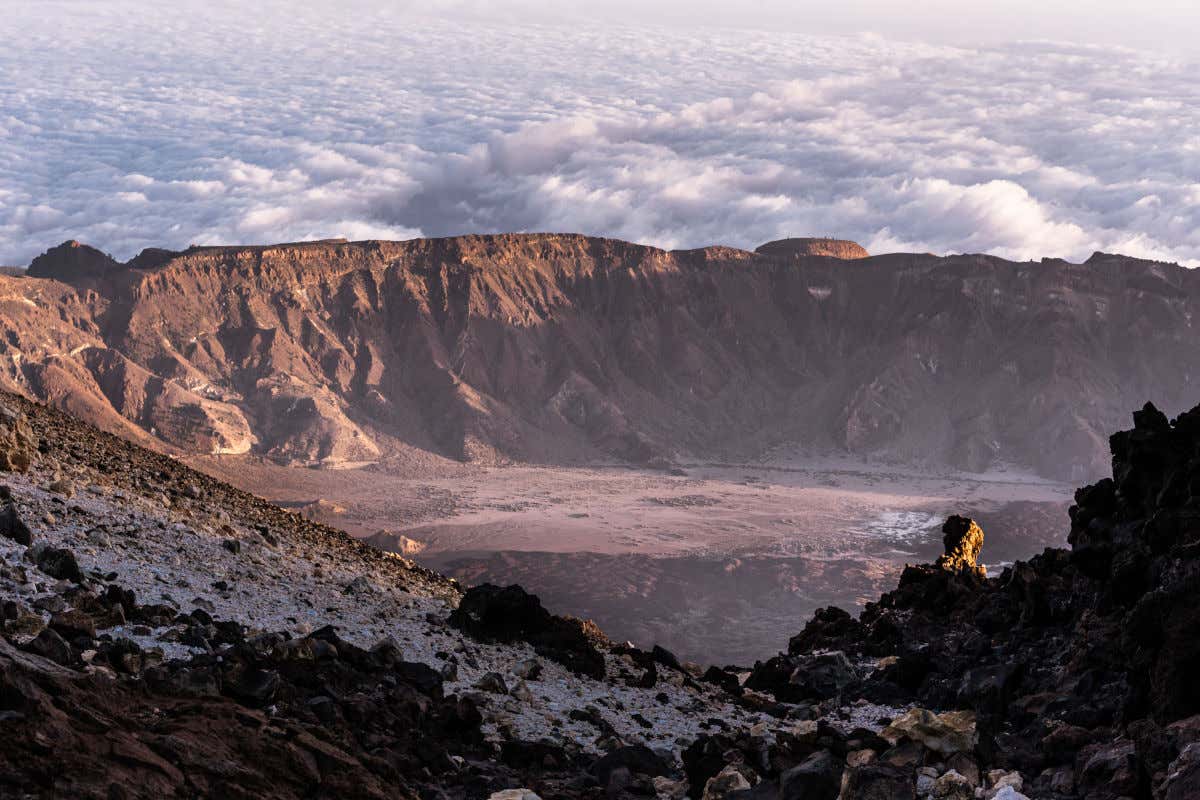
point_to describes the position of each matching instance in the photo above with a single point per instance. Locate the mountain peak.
(72, 260)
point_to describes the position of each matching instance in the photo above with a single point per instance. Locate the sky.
(933, 127)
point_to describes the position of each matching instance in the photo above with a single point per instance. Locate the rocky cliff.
(560, 348)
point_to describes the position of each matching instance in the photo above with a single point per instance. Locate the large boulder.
(818, 777)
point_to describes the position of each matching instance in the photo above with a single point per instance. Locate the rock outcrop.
(511, 614)
(963, 539)
(831, 248)
(561, 348)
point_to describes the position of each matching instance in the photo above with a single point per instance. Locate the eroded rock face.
(552, 348)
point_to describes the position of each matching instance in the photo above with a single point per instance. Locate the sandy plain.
(721, 562)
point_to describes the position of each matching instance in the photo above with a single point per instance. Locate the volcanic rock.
(878, 782)
(818, 777)
(510, 614)
(49, 644)
(724, 783)
(13, 527)
(963, 540)
(73, 625)
(58, 562)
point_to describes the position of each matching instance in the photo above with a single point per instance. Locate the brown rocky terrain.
(562, 348)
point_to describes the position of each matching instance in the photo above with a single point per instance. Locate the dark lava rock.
(13, 527)
(880, 782)
(73, 625)
(58, 562)
(492, 682)
(494, 614)
(48, 644)
(818, 777)
(638, 759)
(719, 677)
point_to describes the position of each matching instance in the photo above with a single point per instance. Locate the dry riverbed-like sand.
(723, 562)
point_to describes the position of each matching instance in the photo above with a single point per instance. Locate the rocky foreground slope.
(555, 348)
(165, 635)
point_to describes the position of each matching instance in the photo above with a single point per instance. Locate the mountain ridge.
(565, 348)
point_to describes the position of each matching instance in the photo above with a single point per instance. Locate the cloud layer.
(203, 124)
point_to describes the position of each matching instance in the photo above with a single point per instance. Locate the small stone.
(492, 682)
(953, 786)
(58, 562)
(12, 527)
(1008, 793)
(73, 625)
(529, 669)
(232, 545)
(49, 644)
(998, 779)
(514, 794)
(819, 775)
(727, 780)
(1062, 781)
(359, 585)
(667, 789)
(521, 692)
(62, 486)
(965, 765)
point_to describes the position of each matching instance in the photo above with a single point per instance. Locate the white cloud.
(156, 128)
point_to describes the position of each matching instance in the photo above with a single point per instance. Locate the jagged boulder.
(948, 733)
(963, 539)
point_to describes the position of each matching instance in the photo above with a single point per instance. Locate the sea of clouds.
(128, 125)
